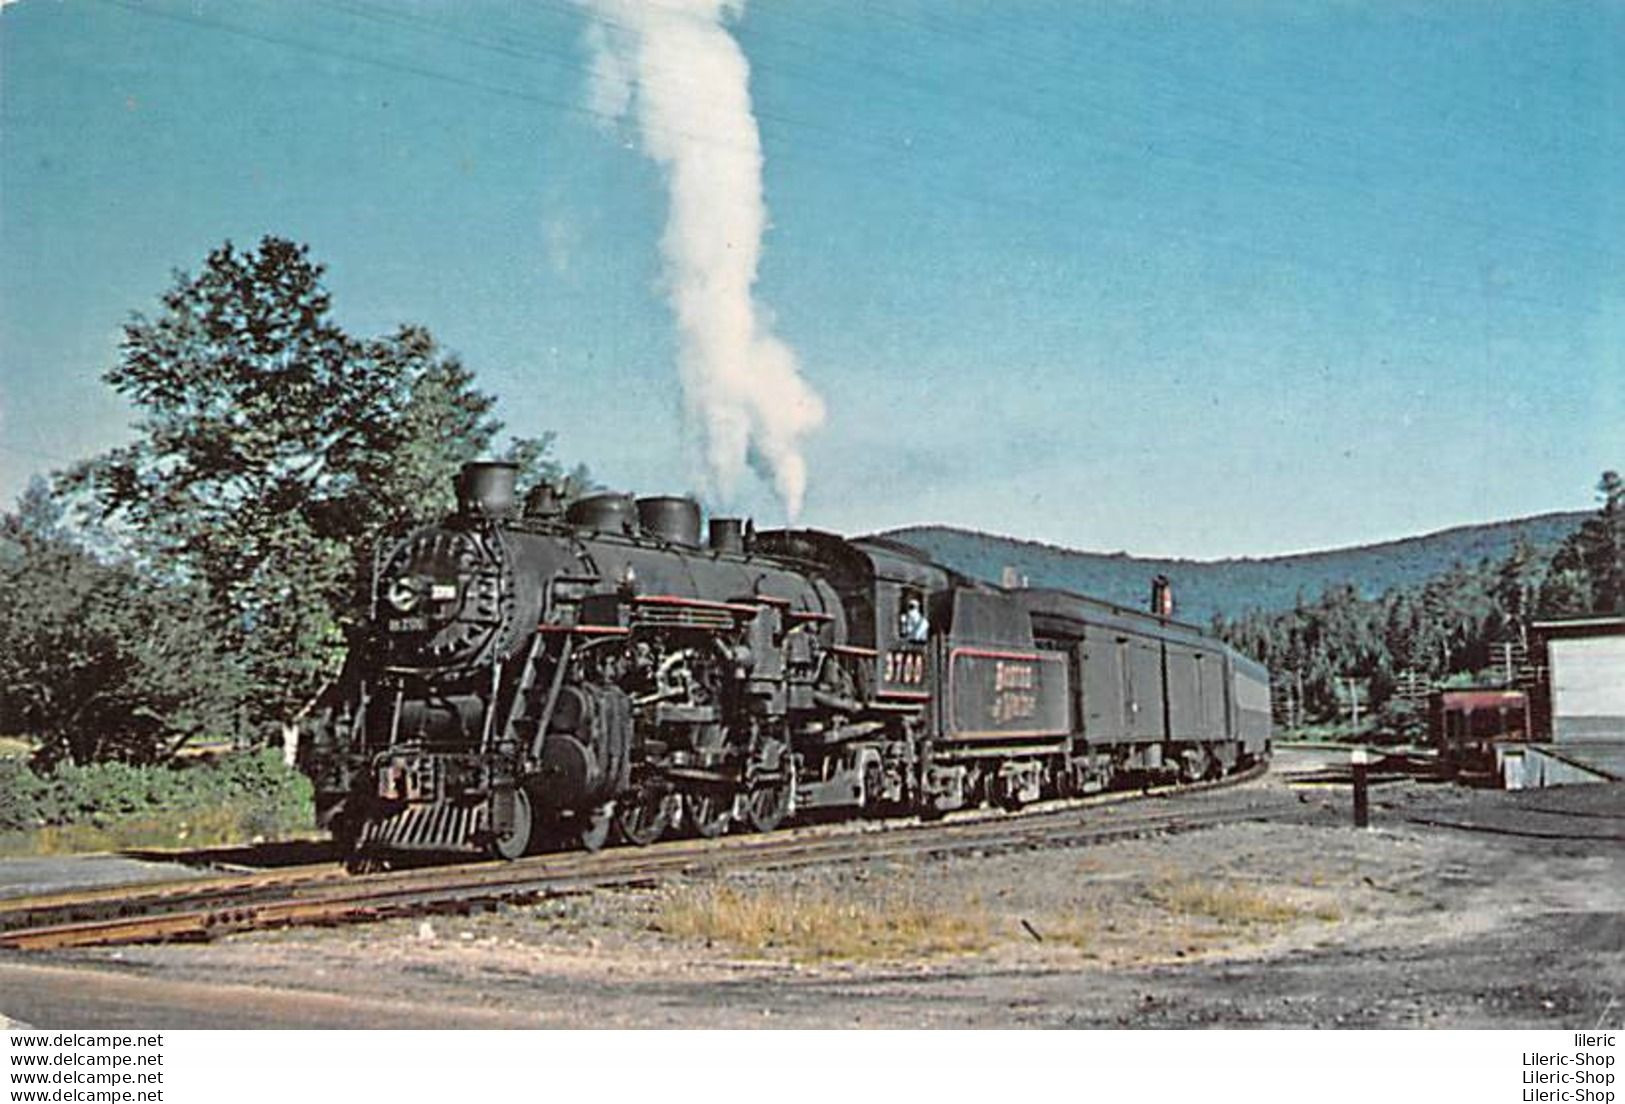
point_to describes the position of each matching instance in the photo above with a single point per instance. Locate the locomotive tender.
(535, 678)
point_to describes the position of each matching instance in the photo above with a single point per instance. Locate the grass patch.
(810, 925)
(1082, 930)
(1224, 902)
(14, 747)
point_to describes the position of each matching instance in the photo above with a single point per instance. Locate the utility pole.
(1362, 800)
(1412, 686)
(1513, 657)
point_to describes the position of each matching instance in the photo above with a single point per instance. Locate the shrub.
(21, 795)
(254, 791)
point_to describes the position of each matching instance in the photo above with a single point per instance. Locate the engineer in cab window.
(913, 626)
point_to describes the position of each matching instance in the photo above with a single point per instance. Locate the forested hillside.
(1356, 623)
(1231, 588)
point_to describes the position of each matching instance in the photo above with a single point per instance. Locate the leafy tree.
(274, 447)
(1587, 572)
(1516, 588)
(1591, 563)
(1603, 542)
(97, 661)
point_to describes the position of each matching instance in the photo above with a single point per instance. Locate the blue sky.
(1173, 278)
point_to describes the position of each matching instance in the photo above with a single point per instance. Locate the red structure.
(1464, 724)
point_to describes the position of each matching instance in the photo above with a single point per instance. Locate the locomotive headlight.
(403, 593)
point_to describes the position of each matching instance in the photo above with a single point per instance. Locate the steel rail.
(286, 898)
(243, 887)
(94, 901)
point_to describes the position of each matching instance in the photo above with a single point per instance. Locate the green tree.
(1516, 588)
(1600, 545)
(97, 660)
(273, 447)
(1587, 573)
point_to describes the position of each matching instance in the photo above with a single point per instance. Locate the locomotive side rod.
(322, 901)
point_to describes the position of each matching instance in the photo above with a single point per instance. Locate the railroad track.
(325, 894)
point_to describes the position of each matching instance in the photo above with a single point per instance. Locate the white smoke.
(677, 70)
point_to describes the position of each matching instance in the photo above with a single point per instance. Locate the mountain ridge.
(1234, 585)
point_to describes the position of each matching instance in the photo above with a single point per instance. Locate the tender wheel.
(644, 820)
(709, 811)
(1194, 764)
(874, 787)
(515, 843)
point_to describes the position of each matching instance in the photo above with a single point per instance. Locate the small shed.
(1462, 717)
(1585, 678)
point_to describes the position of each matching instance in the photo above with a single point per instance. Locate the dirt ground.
(1511, 916)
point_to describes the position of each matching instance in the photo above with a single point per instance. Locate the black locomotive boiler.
(533, 678)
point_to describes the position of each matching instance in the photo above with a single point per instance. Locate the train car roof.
(1098, 607)
(888, 558)
(1477, 696)
(1069, 605)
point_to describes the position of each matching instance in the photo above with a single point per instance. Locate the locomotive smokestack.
(485, 488)
(1162, 596)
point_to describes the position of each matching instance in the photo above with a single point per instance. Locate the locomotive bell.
(485, 488)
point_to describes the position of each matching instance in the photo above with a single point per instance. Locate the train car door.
(1101, 655)
(1143, 688)
(1211, 690)
(1184, 694)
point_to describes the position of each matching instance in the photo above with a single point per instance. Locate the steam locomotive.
(542, 677)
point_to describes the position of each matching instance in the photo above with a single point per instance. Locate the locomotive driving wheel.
(514, 843)
(643, 818)
(770, 783)
(591, 827)
(768, 803)
(709, 810)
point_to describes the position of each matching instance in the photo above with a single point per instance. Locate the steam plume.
(675, 68)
